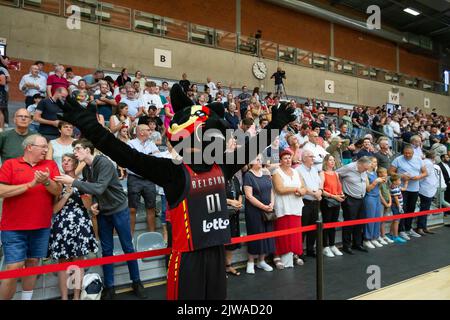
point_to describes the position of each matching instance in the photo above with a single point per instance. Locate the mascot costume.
(197, 208)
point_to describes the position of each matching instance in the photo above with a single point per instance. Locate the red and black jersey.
(200, 218)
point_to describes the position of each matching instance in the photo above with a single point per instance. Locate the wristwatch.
(47, 183)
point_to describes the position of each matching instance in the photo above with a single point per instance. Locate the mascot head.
(194, 125)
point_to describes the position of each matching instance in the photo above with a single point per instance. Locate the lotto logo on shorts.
(216, 224)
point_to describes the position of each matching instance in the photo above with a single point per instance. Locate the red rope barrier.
(18, 273)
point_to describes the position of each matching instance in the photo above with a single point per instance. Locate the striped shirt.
(396, 192)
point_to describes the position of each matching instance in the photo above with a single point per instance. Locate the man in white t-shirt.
(212, 87)
(302, 136)
(135, 106)
(165, 90)
(72, 78)
(318, 152)
(150, 98)
(396, 126)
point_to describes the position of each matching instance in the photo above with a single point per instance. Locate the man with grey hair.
(354, 182)
(310, 212)
(413, 170)
(11, 140)
(28, 189)
(31, 84)
(138, 186)
(416, 142)
(318, 152)
(384, 156)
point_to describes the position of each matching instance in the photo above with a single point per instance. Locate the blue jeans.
(356, 133)
(425, 204)
(373, 209)
(121, 222)
(163, 209)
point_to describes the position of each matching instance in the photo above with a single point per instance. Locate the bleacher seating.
(150, 241)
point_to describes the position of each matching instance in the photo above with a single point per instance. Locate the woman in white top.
(289, 189)
(120, 119)
(62, 145)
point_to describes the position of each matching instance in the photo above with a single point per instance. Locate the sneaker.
(139, 290)
(404, 236)
(368, 244)
(263, 265)
(108, 293)
(382, 241)
(388, 239)
(327, 252)
(376, 243)
(336, 251)
(250, 267)
(414, 234)
(399, 240)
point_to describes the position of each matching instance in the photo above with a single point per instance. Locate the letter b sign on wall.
(163, 58)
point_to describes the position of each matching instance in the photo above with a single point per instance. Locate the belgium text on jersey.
(208, 182)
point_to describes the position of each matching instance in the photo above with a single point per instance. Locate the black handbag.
(266, 216)
(331, 203)
(269, 216)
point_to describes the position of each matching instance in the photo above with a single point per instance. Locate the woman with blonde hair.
(330, 205)
(294, 149)
(72, 235)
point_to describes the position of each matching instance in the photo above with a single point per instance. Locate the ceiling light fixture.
(412, 11)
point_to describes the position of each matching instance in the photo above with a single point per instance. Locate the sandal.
(231, 270)
(278, 264)
(298, 261)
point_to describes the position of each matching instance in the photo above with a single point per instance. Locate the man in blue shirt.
(366, 150)
(413, 169)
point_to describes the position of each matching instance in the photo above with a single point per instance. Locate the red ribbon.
(18, 273)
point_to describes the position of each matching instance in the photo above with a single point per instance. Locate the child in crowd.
(397, 205)
(386, 201)
(155, 136)
(34, 126)
(83, 98)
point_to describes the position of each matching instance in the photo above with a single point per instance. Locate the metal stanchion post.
(319, 261)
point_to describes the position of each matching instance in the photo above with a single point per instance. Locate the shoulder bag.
(330, 202)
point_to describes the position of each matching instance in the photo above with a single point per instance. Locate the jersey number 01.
(211, 203)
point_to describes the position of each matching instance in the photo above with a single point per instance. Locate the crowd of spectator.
(318, 166)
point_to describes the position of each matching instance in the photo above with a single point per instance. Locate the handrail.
(249, 46)
(397, 144)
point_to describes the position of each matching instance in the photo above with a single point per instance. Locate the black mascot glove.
(281, 116)
(75, 114)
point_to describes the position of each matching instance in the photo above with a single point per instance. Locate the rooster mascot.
(195, 190)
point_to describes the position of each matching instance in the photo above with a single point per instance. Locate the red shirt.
(57, 82)
(332, 184)
(32, 209)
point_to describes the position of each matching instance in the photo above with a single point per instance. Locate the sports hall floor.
(346, 277)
